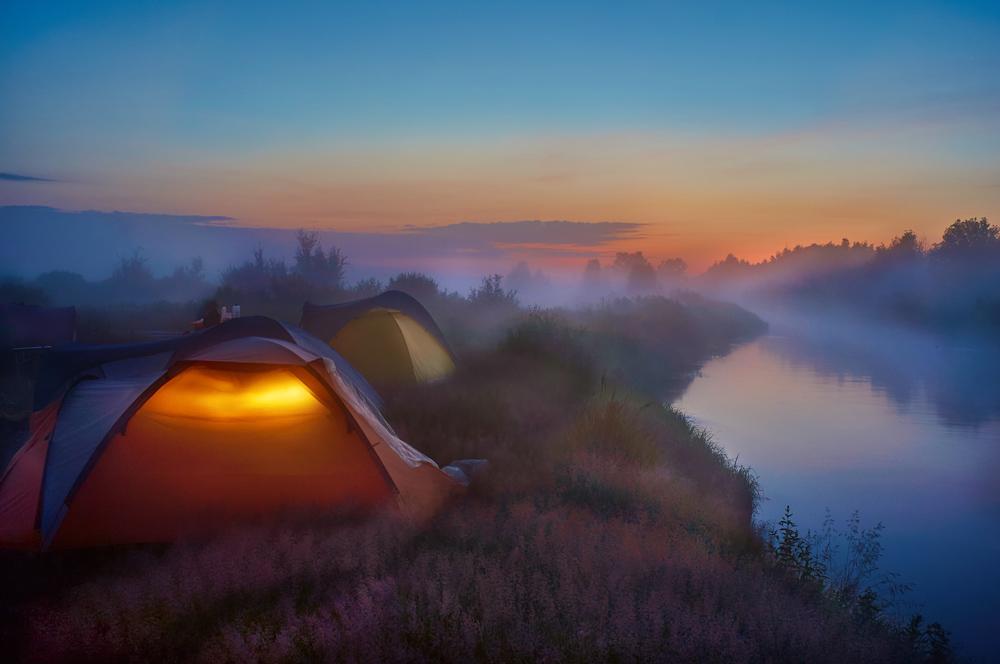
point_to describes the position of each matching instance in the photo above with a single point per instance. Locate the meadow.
(609, 528)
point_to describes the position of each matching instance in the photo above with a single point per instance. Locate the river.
(901, 427)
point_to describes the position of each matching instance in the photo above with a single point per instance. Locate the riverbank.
(899, 425)
(610, 528)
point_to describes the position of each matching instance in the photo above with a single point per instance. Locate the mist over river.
(903, 427)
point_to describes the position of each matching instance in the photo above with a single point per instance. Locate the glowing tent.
(389, 338)
(147, 442)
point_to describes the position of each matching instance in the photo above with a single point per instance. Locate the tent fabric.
(136, 366)
(23, 326)
(271, 351)
(21, 483)
(380, 430)
(430, 359)
(388, 338)
(87, 415)
(415, 475)
(70, 361)
(193, 454)
(238, 428)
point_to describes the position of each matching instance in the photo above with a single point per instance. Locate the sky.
(704, 128)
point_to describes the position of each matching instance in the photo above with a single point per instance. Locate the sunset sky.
(703, 128)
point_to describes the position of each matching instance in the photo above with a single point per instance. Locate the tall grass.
(610, 529)
(497, 582)
(611, 428)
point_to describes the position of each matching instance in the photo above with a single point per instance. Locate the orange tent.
(159, 445)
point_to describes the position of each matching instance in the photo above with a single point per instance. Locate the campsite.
(536, 331)
(246, 492)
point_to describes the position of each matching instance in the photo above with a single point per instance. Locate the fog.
(956, 375)
(918, 324)
(57, 258)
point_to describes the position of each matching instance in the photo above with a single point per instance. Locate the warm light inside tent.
(207, 393)
(218, 442)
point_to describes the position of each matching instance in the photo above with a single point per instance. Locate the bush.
(417, 285)
(492, 294)
(18, 291)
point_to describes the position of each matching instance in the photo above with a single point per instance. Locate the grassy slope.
(609, 529)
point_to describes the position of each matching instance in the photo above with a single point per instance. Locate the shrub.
(19, 291)
(368, 288)
(420, 286)
(492, 294)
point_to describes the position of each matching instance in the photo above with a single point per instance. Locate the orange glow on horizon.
(698, 197)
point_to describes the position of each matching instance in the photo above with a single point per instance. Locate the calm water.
(903, 428)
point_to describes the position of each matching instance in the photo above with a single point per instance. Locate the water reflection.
(904, 428)
(960, 379)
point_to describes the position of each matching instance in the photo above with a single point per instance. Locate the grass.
(609, 529)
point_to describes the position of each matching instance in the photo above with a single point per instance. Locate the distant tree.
(193, 272)
(130, 280)
(902, 247)
(196, 269)
(522, 280)
(814, 258)
(625, 261)
(186, 283)
(640, 275)
(491, 293)
(968, 238)
(671, 269)
(316, 266)
(592, 271)
(595, 279)
(420, 286)
(132, 269)
(520, 276)
(731, 261)
(729, 268)
(255, 276)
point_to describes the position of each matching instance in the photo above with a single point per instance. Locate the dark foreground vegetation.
(609, 529)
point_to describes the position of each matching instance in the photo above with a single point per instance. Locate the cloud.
(512, 234)
(138, 217)
(494, 241)
(145, 217)
(23, 178)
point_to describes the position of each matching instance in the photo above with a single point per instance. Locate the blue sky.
(199, 108)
